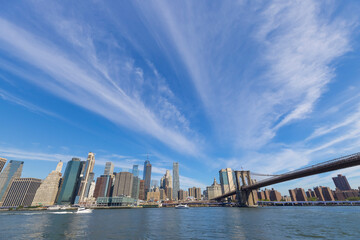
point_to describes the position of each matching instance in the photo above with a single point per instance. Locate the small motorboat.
(84, 210)
(182, 206)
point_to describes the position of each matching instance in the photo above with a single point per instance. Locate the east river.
(340, 222)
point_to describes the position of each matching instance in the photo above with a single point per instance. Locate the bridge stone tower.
(245, 198)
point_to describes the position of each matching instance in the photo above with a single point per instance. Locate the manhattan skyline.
(208, 86)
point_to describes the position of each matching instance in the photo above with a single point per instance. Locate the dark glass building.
(147, 175)
(70, 181)
(135, 170)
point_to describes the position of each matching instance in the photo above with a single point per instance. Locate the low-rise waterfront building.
(153, 196)
(183, 195)
(115, 201)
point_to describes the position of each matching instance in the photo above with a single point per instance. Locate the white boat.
(56, 207)
(182, 206)
(84, 210)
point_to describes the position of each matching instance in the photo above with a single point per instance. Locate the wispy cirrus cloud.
(94, 89)
(11, 98)
(275, 77)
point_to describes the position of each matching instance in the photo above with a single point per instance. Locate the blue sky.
(264, 86)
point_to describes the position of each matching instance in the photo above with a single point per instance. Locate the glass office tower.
(135, 170)
(12, 170)
(70, 181)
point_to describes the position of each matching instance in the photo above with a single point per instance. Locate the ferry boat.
(182, 206)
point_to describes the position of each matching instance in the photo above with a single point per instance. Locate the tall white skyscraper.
(88, 177)
(176, 180)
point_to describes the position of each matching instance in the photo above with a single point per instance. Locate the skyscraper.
(123, 184)
(87, 178)
(2, 163)
(144, 172)
(135, 187)
(176, 180)
(12, 170)
(166, 183)
(21, 192)
(341, 182)
(147, 175)
(109, 168)
(223, 181)
(227, 180)
(46, 193)
(142, 190)
(103, 186)
(135, 170)
(70, 181)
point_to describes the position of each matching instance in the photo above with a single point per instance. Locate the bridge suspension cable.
(263, 175)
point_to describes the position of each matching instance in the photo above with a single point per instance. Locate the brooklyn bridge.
(246, 188)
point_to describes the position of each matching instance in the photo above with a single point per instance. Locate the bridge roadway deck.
(335, 164)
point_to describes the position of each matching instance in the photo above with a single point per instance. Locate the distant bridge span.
(334, 164)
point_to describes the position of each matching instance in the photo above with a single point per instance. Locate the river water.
(319, 222)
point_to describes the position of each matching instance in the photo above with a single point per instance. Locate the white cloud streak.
(86, 87)
(285, 74)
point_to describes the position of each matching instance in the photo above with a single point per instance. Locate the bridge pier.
(245, 198)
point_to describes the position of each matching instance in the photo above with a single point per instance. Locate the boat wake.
(61, 212)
